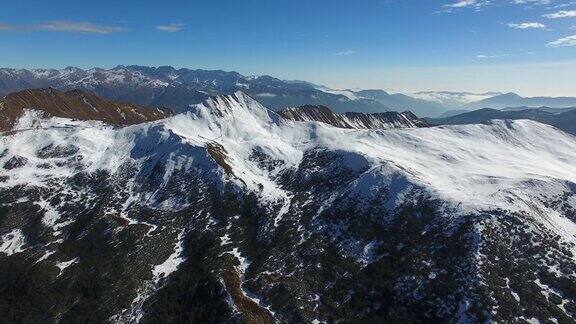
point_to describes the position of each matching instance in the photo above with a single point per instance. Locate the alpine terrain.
(166, 86)
(230, 212)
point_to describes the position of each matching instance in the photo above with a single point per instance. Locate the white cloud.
(79, 27)
(527, 25)
(462, 4)
(171, 28)
(476, 4)
(536, 2)
(564, 5)
(345, 53)
(485, 56)
(479, 4)
(561, 14)
(563, 42)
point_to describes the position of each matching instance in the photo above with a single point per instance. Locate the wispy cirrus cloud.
(462, 4)
(345, 53)
(527, 25)
(563, 42)
(563, 5)
(78, 27)
(533, 2)
(561, 14)
(65, 26)
(171, 28)
(480, 4)
(489, 56)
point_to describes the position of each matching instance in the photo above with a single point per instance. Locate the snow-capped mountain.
(386, 120)
(230, 212)
(166, 86)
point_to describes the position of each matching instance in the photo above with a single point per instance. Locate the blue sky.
(527, 46)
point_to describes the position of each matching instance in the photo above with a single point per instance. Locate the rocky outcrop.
(354, 120)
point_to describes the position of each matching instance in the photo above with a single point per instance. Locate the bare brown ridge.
(74, 104)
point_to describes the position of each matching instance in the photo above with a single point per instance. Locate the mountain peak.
(238, 98)
(237, 106)
(509, 95)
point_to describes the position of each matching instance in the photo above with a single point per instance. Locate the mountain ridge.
(230, 213)
(564, 119)
(74, 104)
(514, 100)
(386, 120)
(178, 88)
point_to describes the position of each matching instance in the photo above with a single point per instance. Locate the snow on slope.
(468, 163)
(12, 242)
(506, 164)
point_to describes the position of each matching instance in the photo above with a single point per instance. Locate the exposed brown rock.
(354, 120)
(74, 104)
(121, 221)
(251, 311)
(316, 113)
(218, 153)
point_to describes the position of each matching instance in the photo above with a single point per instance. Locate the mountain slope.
(543, 108)
(513, 100)
(231, 213)
(564, 120)
(387, 120)
(73, 104)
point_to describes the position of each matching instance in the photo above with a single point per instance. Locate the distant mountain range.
(178, 89)
(564, 119)
(514, 100)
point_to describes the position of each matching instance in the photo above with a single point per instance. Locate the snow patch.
(172, 263)
(63, 265)
(12, 242)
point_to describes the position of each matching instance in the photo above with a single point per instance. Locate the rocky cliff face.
(231, 212)
(386, 120)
